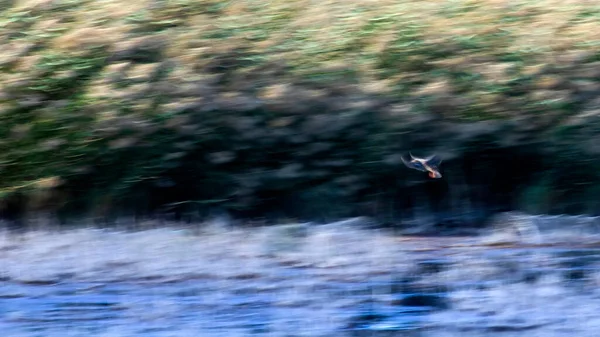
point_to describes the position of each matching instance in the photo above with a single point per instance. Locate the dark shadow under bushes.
(474, 187)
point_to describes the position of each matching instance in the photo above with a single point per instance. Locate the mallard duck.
(429, 164)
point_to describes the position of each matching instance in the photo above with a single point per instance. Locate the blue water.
(155, 309)
(268, 306)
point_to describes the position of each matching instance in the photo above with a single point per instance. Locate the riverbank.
(298, 109)
(294, 280)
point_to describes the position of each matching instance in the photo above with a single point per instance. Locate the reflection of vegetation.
(112, 98)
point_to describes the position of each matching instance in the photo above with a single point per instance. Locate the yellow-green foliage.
(108, 94)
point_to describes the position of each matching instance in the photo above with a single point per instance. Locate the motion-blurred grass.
(104, 101)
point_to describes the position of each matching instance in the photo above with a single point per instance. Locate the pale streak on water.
(297, 281)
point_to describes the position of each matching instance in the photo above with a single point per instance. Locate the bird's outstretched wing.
(413, 164)
(433, 161)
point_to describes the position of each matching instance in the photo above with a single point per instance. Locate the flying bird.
(430, 164)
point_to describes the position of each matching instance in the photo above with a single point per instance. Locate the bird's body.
(429, 164)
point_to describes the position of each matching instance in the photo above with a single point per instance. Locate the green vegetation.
(105, 103)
